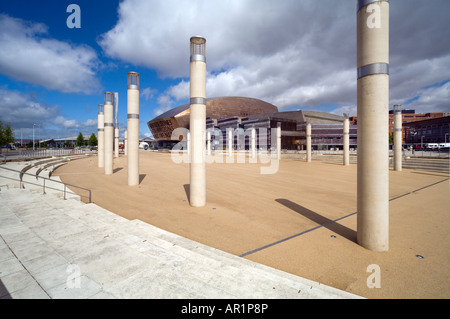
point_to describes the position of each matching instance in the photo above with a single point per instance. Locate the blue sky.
(295, 54)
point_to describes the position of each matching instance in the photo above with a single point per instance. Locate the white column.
(253, 147)
(101, 137)
(197, 125)
(125, 142)
(373, 121)
(308, 142)
(346, 140)
(398, 138)
(116, 142)
(230, 141)
(133, 128)
(116, 125)
(208, 142)
(278, 140)
(109, 132)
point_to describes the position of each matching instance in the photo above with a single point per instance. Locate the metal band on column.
(198, 100)
(371, 69)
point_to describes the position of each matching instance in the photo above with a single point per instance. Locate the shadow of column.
(4, 293)
(188, 193)
(332, 225)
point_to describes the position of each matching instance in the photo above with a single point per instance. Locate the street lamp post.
(33, 135)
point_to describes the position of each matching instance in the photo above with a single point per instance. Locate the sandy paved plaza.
(285, 220)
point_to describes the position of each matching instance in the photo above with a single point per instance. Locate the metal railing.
(28, 154)
(64, 190)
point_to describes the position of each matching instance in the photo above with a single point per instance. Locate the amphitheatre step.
(130, 259)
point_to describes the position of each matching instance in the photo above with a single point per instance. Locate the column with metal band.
(208, 142)
(101, 137)
(230, 139)
(373, 121)
(308, 142)
(346, 140)
(109, 132)
(278, 140)
(197, 124)
(398, 138)
(125, 142)
(253, 147)
(116, 124)
(133, 128)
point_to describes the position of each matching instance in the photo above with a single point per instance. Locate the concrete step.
(434, 165)
(132, 259)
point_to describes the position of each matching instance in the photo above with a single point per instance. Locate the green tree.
(80, 140)
(93, 140)
(391, 138)
(1, 134)
(6, 134)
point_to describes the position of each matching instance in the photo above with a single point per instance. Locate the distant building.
(241, 114)
(408, 116)
(433, 130)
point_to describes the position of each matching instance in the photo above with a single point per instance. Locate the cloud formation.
(27, 55)
(289, 53)
(23, 111)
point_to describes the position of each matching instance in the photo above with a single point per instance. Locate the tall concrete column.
(346, 140)
(308, 142)
(208, 142)
(116, 124)
(188, 145)
(101, 137)
(197, 126)
(125, 142)
(230, 141)
(133, 128)
(109, 132)
(373, 121)
(253, 147)
(278, 140)
(398, 138)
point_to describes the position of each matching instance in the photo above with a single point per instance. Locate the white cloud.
(90, 123)
(65, 123)
(22, 110)
(165, 103)
(438, 96)
(289, 53)
(148, 93)
(27, 55)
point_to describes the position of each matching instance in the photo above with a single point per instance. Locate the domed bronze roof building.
(243, 113)
(216, 108)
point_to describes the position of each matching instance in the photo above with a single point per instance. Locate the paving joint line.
(330, 222)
